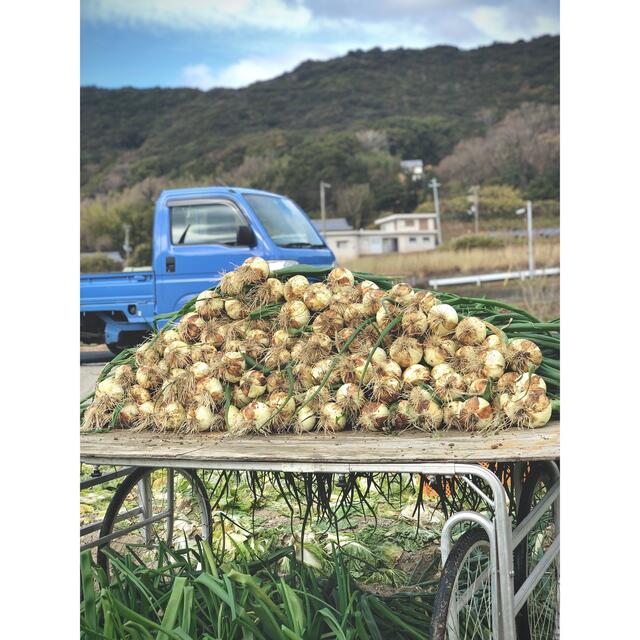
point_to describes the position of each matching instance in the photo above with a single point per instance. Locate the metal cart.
(490, 573)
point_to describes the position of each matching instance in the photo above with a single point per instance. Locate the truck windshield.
(284, 221)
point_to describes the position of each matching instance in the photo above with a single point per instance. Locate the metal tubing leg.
(504, 546)
(170, 505)
(146, 504)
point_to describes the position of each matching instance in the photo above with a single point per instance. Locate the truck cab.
(198, 234)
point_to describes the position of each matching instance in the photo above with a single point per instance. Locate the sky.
(233, 43)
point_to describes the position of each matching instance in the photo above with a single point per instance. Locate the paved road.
(91, 363)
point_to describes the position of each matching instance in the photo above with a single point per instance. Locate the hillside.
(347, 120)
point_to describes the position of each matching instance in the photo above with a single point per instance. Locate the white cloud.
(497, 24)
(200, 14)
(253, 69)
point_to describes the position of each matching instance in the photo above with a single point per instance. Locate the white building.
(398, 233)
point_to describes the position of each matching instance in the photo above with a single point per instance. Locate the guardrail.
(478, 279)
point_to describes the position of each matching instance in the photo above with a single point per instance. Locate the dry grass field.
(446, 261)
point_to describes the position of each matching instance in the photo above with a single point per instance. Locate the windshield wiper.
(302, 245)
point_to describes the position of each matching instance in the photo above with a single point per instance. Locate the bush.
(141, 255)
(464, 243)
(99, 263)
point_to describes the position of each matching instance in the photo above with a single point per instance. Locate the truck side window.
(211, 223)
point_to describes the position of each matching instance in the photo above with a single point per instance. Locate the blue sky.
(232, 43)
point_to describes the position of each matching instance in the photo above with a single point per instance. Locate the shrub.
(141, 255)
(99, 263)
(463, 243)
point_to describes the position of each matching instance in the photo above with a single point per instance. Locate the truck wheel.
(115, 348)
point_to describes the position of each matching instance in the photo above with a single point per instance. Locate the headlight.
(274, 265)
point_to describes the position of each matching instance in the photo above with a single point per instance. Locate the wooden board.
(317, 452)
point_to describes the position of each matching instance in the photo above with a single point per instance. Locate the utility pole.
(323, 213)
(474, 198)
(126, 247)
(434, 184)
(529, 211)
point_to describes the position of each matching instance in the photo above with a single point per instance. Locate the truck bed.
(109, 291)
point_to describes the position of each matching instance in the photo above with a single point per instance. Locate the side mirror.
(246, 237)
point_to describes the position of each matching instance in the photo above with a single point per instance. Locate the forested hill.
(422, 101)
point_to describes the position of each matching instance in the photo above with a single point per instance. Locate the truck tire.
(115, 348)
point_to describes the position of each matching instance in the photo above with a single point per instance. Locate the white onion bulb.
(317, 297)
(477, 414)
(340, 277)
(253, 384)
(306, 419)
(209, 304)
(406, 351)
(493, 364)
(234, 365)
(373, 416)
(415, 374)
(442, 319)
(471, 331)
(295, 288)
(523, 354)
(333, 417)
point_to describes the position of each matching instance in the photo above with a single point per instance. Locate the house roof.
(332, 224)
(403, 216)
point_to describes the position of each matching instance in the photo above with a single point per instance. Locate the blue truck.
(198, 234)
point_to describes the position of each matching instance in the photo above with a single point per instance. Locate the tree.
(352, 200)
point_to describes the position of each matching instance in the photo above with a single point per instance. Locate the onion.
(234, 421)
(282, 408)
(239, 397)
(493, 341)
(139, 394)
(271, 291)
(477, 386)
(471, 331)
(414, 323)
(231, 284)
(415, 374)
(177, 354)
(304, 378)
(202, 418)
(333, 417)
(441, 370)
(340, 277)
(493, 366)
(350, 397)
(235, 309)
(425, 300)
(96, 416)
(449, 386)
(306, 419)
(385, 389)
(321, 369)
(169, 336)
(277, 381)
(173, 416)
(295, 288)
(469, 359)
(354, 314)
(209, 304)
(148, 377)
(533, 410)
(203, 353)
(110, 391)
(371, 301)
(431, 416)
(382, 317)
(146, 415)
(124, 375)
(200, 370)
(366, 285)
(406, 351)
(523, 354)
(317, 297)
(316, 397)
(294, 315)
(214, 333)
(281, 338)
(190, 327)
(214, 388)
(373, 416)
(452, 413)
(442, 319)
(476, 414)
(255, 269)
(438, 350)
(277, 357)
(316, 347)
(253, 384)
(328, 322)
(403, 415)
(529, 382)
(507, 382)
(389, 368)
(129, 414)
(147, 354)
(256, 414)
(234, 365)
(402, 293)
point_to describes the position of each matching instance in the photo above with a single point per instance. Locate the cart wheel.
(538, 618)
(462, 608)
(175, 500)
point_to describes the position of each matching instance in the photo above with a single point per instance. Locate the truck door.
(201, 240)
